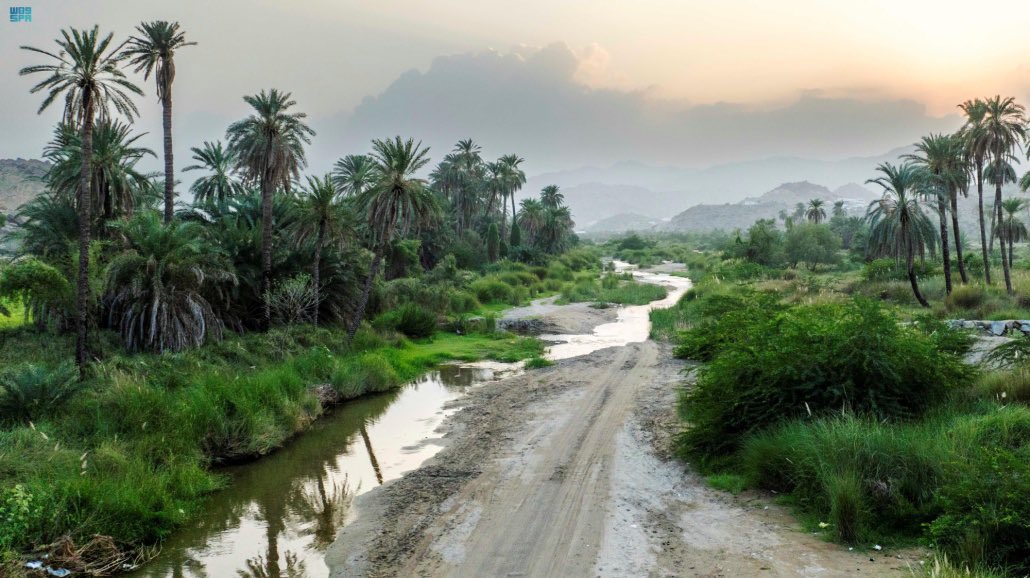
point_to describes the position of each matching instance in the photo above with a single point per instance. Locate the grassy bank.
(817, 387)
(131, 452)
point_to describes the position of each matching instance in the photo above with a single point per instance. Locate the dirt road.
(562, 472)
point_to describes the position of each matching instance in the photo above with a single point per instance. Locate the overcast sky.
(562, 82)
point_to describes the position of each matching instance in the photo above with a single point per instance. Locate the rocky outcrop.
(1013, 327)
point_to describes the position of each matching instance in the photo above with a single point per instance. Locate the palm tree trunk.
(958, 240)
(942, 213)
(316, 274)
(504, 218)
(993, 231)
(910, 262)
(169, 170)
(512, 197)
(85, 203)
(360, 313)
(1011, 242)
(266, 249)
(1004, 258)
(983, 230)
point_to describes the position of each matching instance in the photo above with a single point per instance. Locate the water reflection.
(278, 514)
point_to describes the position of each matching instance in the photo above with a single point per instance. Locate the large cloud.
(531, 101)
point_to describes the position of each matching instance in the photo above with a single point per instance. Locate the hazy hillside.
(623, 222)
(20, 181)
(729, 216)
(592, 202)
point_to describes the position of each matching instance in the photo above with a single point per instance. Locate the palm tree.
(158, 287)
(551, 197)
(976, 151)
(220, 184)
(898, 225)
(838, 209)
(799, 211)
(353, 174)
(396, 204)
(269, 149)
(86, 71)
(1011, 228)
(936, 157)
(153, 51)
(1005, 173)
(470, 172)
(531, 219)
(116, 186)
(815, 212)
(514, 178)
(323, 220)
(1004, 130)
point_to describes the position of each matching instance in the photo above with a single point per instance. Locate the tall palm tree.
(998, 172)
(935, 156)
(815, 213)
(976, 151)
(959, 169)
(396, 204)
(551, 197)
(220, 184)
(898, 225)
(86, 71)
(1005, 130)
(269, 149)
(838, 209)
(494, 185)
(153, 51)
(467, 162)
(531, 218)
(1012, 229)
(353, 174)
(325, 221)
(514, 178)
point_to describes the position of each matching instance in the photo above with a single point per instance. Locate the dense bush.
(490, 289)
(29, 391)
(410, 319)
(892, 270)
(812, 360)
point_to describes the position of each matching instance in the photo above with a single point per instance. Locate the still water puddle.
(279, 514)
(632, 325)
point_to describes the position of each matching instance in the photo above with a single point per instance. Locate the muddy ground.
(565, 471)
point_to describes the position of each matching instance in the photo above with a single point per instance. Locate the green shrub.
(987, 510)
(492, 290)
(813, 360)
(410, 319)
(16, 513)
(29, 392)
(965, 297)
(538, 363)
(368, 373)
(1011, 386)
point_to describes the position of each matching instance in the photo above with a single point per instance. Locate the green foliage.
(410, 319)
(491, 289)
(812, 244)
(538, 363)
(764, 244)
(493, 242)
(894, 270)
(17, 507)
(29, 392)
(42, 287)
(613, 289)
(811, 360)
(161, 287)
(732, 483)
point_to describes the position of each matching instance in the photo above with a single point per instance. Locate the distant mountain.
(622, 223)
(729, 216)
(656, 191)
(592, 202)
(20, 181)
